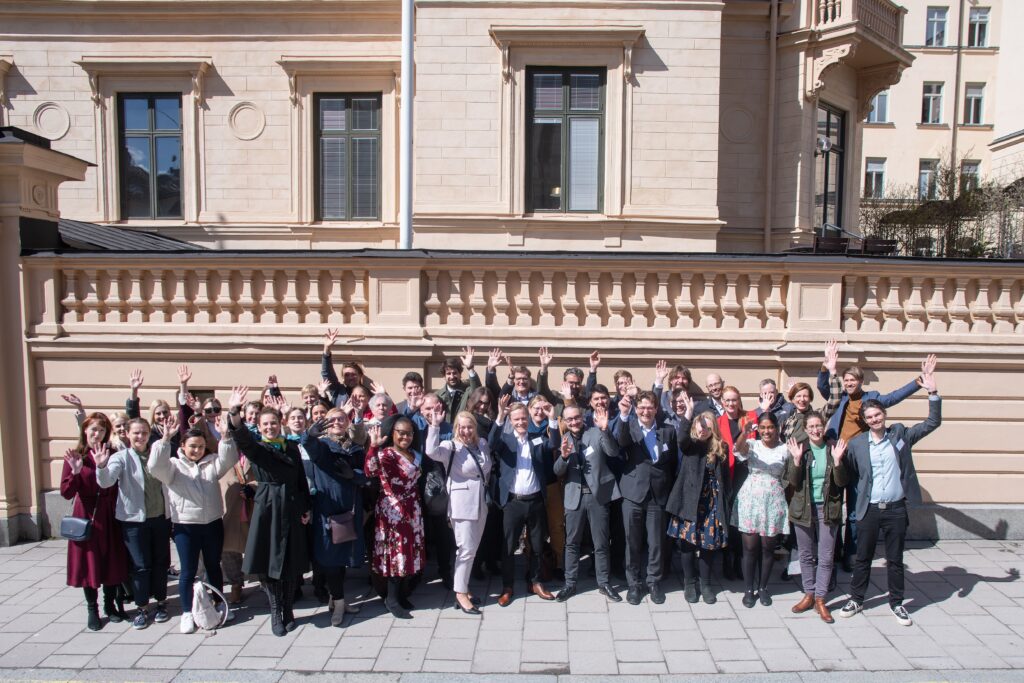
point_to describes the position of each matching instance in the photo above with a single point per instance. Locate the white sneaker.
(338, 614)
(902, 616)
(851, 608)
(187, 624)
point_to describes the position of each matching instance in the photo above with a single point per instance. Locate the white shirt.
(650, 439)
(526, 480)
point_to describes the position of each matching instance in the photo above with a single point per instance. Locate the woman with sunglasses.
(399, 549)
(481, 403)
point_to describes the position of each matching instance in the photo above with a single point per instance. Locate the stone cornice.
(508, 36)
(144, 65)
(206, 8)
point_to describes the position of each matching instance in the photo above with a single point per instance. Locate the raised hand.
(184, 375)
(329, 339)
(687, 405)
(135, 381)
(377, 388)
(566, 391)
(595, 360)
(74, 460)
(508, 361)
(433, 418)
(237, 399)
(194, 403)
(927, 382)
(838, 451)
(831, 356)
(566, 449)
(632, 391)
(796, 450)
(416, 402)
(765, 401)
(467, 357)
(601, 419)
(72, 400)
(170, 427)
(376, 438)
(549, 411)
(318, 427)
(272, 381)
(928, 365)
(323, 386)
(660, 372)
(625, 405)
(222, 423)
(101, 455)
(545, 358)
(503, 404)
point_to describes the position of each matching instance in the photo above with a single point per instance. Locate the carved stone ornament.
(5, 65)
(821, 62)
(872, 81)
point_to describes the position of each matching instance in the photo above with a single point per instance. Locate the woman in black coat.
(276, 548)
(698, 502)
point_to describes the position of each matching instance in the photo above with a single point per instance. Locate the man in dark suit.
(455, 392)
(412, 384)
(650, 455)
(882, 467)
(524, 471)
(590, 487)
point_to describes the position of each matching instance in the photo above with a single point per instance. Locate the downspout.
(405, 127)
(769, 153)
(956, 102)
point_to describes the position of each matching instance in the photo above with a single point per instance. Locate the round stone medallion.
(246, 121)
(51, 120)
(737, 124)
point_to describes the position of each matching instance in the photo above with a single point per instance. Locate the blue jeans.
(149, 547)
(191, 540)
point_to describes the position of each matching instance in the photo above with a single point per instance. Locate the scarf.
(277, 443)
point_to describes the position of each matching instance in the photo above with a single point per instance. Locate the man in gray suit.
(882, 466)
(590, 487)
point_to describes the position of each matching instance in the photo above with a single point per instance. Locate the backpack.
(205, 614)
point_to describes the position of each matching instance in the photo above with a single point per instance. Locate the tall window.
(828, 175)
(348, 156)
(931, 103)
(970, 175)
(874, 178)
(974, 96)
(564, 158)
(977, 28)
(935, 29)
(927, 179)
(149, 128)
(879, 108)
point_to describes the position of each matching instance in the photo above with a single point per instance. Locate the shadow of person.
(965, 581)
(938, 586)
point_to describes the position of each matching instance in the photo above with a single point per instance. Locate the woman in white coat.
(467, 460)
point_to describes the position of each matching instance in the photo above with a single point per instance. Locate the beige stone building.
(961, 103)
(583, 175)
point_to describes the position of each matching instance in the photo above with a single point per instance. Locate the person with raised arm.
(881, 465)
(101, 559)
(399, 550)
(760, 511)
(352, 375)
(731, 423)
(275, 550)
(455, 391)
(698, 504)
(192, 482)
(817, 474)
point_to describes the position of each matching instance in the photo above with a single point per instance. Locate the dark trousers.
(891, 524)
(149, 547)
(638, 518)
(334, 578)
(850, 535)
(533, 515)
(438, 536)
(589, 510)
(191, 540)
(617, 538)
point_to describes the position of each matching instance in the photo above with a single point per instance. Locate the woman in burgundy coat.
(102, 560)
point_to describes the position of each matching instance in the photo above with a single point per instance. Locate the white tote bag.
(207, 615)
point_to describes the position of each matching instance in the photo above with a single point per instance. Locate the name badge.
(589, 451)
(538, 441)
(900, 445)
(664, 447)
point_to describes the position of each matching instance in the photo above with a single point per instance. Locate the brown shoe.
(806, 603)
(822, 609)
(541, 592)
(506, 597)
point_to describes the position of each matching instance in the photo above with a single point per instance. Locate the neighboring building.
(961, 103)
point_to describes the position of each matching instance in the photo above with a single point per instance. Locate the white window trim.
(986, 12)
(929, 97)
(928, 25)
(867, 169)
(308, 76)
(110, 75)
(874, 108)
(610, 47)
(969, 99)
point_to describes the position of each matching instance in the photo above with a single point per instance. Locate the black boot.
(690, 591)
(392, 600)
(273, 590)
(93, 622)
(287, 614)
(110, 606)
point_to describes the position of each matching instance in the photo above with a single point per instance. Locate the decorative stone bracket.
(6, 62)
(507, 37)
(139, 65)
(874, 80)
(820, 60)
(295, 66)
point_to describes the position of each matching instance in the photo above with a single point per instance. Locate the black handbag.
(435, 489)
(78, 528)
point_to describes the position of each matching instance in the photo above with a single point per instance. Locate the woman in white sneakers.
(196, 505)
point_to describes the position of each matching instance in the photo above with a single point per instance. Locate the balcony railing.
(881, 16)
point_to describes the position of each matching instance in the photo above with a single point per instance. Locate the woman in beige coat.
(238, 487)
(467, 460)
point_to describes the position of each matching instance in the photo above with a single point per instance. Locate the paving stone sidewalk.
(966, 599)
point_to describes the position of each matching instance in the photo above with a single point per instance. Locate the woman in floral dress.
(760, 511)
(398, 549)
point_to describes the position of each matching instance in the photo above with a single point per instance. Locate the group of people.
(478, 470)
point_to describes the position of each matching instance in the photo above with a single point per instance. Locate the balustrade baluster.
(501, 300)
(335, 298)
(432, 303)
(290, 303)
(892, 311)
(638, 303)
(870, 311)
(661, 303)
(477, 302)
(524, 302)
(268, 298)
(981, 312)
(616, 304)
(91, 303)
(593, 301)
(752, 306)
(70, 304)
(707, 306)
(360, 305)
(203, 303)
(730, 303)
(454, 304)
(1018, 308)
(914, 309)
(851, 311)
(546, 302)
(957, 310)
(246, 297)
(179, 306)
(936, 308)
(314, 300)
(774, 307)
(113, 310)
(1002, 311)
(570, 304)
(221, 299)
(684, 302)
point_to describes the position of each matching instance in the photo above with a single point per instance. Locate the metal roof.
(80, 235)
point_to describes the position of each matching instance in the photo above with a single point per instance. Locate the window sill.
(933, 126)
(143, 223)
(977, 126)
(879, 124)
(350, 225)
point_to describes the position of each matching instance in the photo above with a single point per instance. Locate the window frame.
(931, 103)
(838, 151)
(873, 115)
(970, 181)
(931, 34)
(931, 167)
(567, 115)
(318, 134)
(151, 134)
(978, 22)
(974, 105)
(876, 176)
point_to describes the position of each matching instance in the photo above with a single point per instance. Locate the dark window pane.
(584, 137)
(168, 177)
(545, 163)
(585, 92)
(332, 114)
(333, 174)
(167, 113)
(135, 165)
(364, 177)
(547, 91)
(136, 112)
(364, 114)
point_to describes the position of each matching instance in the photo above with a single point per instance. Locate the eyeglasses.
(212, 410)
(573, 418)
(336, 421)
(402, 432)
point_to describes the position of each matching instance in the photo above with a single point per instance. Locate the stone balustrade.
(881, 16)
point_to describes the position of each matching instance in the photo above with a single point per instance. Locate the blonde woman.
(698, 503)
(467, 460)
